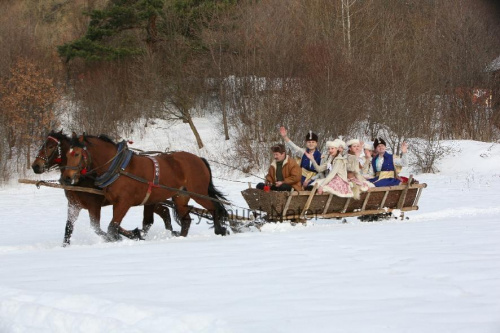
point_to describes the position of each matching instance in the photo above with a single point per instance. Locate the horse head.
(78, 160)
(51, 153)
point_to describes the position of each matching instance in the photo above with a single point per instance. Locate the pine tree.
(106, 37)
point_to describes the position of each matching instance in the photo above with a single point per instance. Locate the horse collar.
(118, 163)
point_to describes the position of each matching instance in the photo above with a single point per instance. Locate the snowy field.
(439, 271)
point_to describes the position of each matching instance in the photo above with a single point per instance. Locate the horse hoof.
(176, 233)
(65, 244)
(110, 238)
(138, 234)
(222, 232)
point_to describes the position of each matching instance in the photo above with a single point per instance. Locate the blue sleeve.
(317, 157)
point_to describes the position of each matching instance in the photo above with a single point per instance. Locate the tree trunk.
(11, 140)
(224, 111)
(28, 157)
(348, 16)
(193, 128)
(152, 33)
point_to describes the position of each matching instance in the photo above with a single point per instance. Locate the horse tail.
(216, 194)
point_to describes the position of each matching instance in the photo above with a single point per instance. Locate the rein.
(119, 162)
(141, 152)
(116, 155)
(87, 159)
(235, 168)
(142, 180)
(82, 165)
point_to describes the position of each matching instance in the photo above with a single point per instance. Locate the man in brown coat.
(284, 173)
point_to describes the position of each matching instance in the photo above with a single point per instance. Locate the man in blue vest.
(385, 165)
(308, 171)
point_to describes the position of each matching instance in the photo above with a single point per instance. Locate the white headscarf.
(352, 142)
(337, 143)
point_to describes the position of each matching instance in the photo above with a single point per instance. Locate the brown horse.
(130, 180)
(52, 154)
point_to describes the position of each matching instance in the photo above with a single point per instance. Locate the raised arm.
(296, 150)
(403, 159)
(318, 168)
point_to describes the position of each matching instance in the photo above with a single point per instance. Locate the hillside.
(325, 65)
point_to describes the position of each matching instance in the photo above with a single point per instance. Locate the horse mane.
(59, 136)
(76, 143)
(106, 138)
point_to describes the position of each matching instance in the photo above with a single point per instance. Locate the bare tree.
(179, 103)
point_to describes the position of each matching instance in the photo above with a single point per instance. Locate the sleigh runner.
(302, 205)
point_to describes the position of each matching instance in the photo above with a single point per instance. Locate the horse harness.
(154, 183)
(118, 165)
(120, 162)
(58, 158)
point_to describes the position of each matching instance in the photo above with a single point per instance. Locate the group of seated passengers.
(344, 175)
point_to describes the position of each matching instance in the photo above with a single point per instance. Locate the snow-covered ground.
(439, 271)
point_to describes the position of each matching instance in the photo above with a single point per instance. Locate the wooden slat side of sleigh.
(301, 205)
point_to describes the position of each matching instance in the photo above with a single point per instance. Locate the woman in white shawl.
(335, 169)
(359, 183)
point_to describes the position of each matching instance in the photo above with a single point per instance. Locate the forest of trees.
(404, 69)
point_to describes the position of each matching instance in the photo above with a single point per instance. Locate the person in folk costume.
(385, 165)
(359, 183)
(309, 174)
(284, 173)
(335, 169)
(366, 162)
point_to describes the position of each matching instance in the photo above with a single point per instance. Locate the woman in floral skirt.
(335, 170)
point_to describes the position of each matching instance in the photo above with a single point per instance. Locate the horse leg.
(95, 220)
(114, 228)
(164, 213)
(182, 211)
(73, 212)
(148, 218)
(217, 215)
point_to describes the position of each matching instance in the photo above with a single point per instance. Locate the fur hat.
(337, 143)
(352, 142)
(311, 137)
(378, 141)
(279, 148)
(368, 146)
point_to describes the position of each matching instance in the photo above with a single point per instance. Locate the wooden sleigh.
(302, 205)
